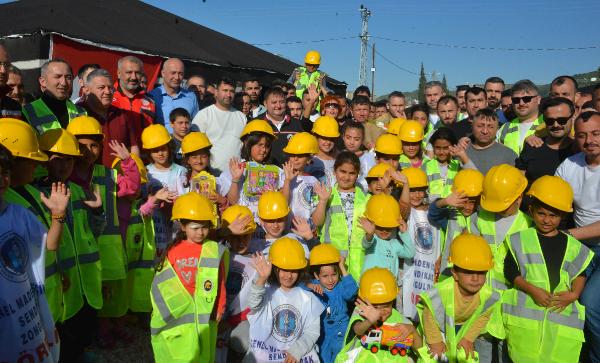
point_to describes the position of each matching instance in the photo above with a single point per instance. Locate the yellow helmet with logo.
(388, 144)
(324, 254)
(257, 125)
(155, 136)
(502, 185)
(140, 166)
(469, 182)
(272, 205)
(288, 254)
(232, 213)
(326, 126)
(471, 252)
(85, 125)
(194, 141)
(383, 210)
(378, 286)
(553, 191)
(302, 143)
(411, 131)
(59, 141)
(393, 127)
(20, 139)
(312, 57)
(195, 207)
(416, 177)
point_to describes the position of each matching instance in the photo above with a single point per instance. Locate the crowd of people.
(242, 221)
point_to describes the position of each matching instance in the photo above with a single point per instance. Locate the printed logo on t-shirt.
(14, 257)
(424, 238)
(306, 194)
(285, 323)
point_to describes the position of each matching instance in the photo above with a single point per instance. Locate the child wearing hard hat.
(335, 288)
(338, 211)
(388, 149)
(303, 77)
(377, 332)
(393, 127)
(284, 318)
(326, 130)
(29, 244)
(442, 169)
(353, 137)
(419, 272)
(411, 136)
(545, 266)
(460, 317)
(456, 213)
(188, 291)
(500, 216)
(381, 223)
(383, 179)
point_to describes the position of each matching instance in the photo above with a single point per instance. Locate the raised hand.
(367, 311)
(236, 168)
(119, 150)
(58, 200)
(457, 199)
(367, 225)
(290, 173)
(239, 225)
(301, 227)
(262, 266)
(323, 191)
(165, 195)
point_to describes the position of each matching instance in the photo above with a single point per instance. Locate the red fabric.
(141, 104)
(184, 258)
(119, 125)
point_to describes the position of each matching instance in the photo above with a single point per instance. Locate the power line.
(394, 64)
(307, 41)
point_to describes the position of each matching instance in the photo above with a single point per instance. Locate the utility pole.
(373, 76)
(364, 43)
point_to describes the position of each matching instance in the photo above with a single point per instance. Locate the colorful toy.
(386, 337)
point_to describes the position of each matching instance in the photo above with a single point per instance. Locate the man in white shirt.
(223, 125)
(582, 172)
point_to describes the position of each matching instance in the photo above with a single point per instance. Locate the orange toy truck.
(386, 337)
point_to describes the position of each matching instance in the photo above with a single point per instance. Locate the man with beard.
(475, 100)
(460, 96)
(128, 93)
(494, 86)
(53, 110)
(506, 105)
(252, 87)
(447, 110)
(223, 125)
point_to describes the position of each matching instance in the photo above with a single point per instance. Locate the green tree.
(445, 85)
(422, 81)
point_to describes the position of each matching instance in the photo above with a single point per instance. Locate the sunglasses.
(560, 120)
(331, 105)
(525, 99)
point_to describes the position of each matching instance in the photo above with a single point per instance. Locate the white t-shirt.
(367, 161)
(223, 129)
(173, 178)
(585, 181)
(303, 198)
(26, 324)
(523, 129)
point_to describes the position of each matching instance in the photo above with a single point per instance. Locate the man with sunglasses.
(557, 145)
(526, 99)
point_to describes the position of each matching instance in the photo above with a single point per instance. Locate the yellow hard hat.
(288, 254)
(553, 191)
(312, 57)
(378, 286)
(155, 136)
(20, 139)
(193, 206)
(59, 141)
(194, 141)
(379, 170)
(388, 144)
(302, 143)
(471, 252)
(411, 131)
(393, 127)
(416, 177)
(272, 205)
(230, 214)
(469, 182)
(326, 126)
(257, 126)
(502, 185)
(324, 254)
(383, 210)
(138, 162)
(85, 125)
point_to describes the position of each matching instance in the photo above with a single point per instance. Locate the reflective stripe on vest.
(42, 119)
(140, 249)
(510, 135)
(438, 186)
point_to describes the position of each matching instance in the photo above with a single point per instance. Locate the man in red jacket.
(129, 95)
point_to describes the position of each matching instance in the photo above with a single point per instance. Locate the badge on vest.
(208, 285)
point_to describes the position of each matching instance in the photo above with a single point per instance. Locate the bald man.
(170, 95)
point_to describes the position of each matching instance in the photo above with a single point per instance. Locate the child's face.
(421, 117)
(375, 187)
(299, 162)
(441, 150)
(411, 149)
(353, 138)
(197, 231)
(260, 151)
(91, 150)
(274, 227)
(160, 155)
(385, 310)
(346, 175)
(546, 220)
(287, 278)
(385, 233)
(239, 243)
(326, 144)
(417, 195)
(469, 282)
(198, 160)
(60, 167)
(469, 207)
(392, 160)
(328, 276)
(181, 126)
